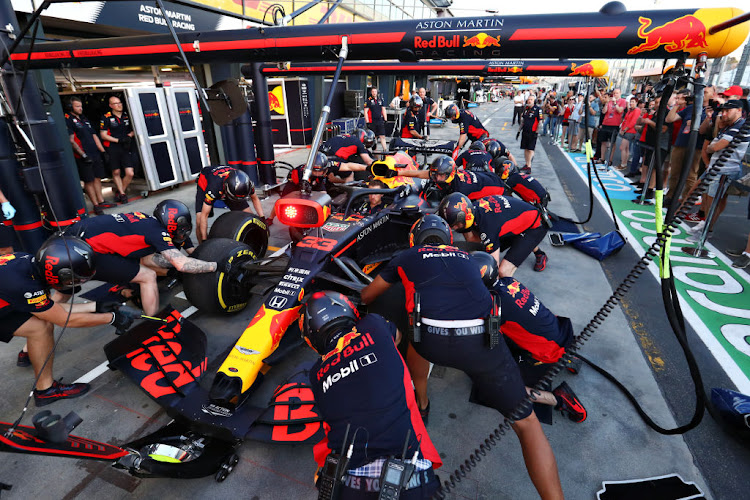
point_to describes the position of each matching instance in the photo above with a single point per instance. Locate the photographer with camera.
(682, 112)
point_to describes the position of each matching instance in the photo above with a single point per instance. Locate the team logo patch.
(335, 227)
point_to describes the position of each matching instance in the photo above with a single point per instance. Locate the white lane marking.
(102, 368)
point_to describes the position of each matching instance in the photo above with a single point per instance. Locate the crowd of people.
(631, 120)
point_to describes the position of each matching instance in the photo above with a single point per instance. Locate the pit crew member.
(498, 222)
(524, 186)
(497, 149)
(27, 310)
(536, 337)
(131, 247)
(117, 134)
(475, 159)
(325, 173)
(375, 398)
(228, 184)
(346, 146)
(88, 151)
(411, 126)
(454, 304)
(469, 126)
(443, 174)
(376, 116)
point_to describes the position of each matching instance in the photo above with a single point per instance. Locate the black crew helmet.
(487, 267)
(458, 212)
(477, 146)
(175, 216)
(503, 167)
(238, 186)
(415, 102)
(443, 165)
(451, 112)
(430, 230)
(65, 262)
(320, 162)
(492, 147)
(367, 138)
(325, 317)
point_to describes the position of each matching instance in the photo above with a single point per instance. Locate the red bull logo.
(276, 100)
(437, 42)
(481, 41)
(515, 69)
(582, 70)
(171, 220)
(343, 342)
(684, 33)
(464, 207)
(483, 203)
(514, 288)
(49, 269)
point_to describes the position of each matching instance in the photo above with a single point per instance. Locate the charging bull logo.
(464, 207)
(515, 69)
(344, 341)
(513, 288)
(483, 203)
(481, 41)
(582, 70)
(686, 32)
(276, 100)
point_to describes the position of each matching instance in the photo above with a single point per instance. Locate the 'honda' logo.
(277, 302)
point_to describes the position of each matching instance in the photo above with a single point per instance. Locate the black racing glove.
(86, 160)
(122, 318)
(125, 142)
(105, 157)
(107, 306)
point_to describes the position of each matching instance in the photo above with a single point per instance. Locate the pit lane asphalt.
(612, 444)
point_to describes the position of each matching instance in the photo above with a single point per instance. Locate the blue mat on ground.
(564, 226)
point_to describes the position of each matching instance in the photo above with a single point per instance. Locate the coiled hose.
(627, 283)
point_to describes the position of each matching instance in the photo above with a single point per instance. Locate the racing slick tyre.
(218, 292)
(244, 227)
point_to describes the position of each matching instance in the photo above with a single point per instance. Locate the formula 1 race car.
(339, 251)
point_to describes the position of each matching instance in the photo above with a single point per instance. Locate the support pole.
(263, 132)
(33, 169)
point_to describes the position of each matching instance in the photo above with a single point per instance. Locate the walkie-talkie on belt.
(492, 323)
(329, 479)
(397, 473)
(415, 321)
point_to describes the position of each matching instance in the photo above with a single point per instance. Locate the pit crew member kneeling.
(362, 384)
(443, 174)
(498, 222)
(227, 184)
(536, 337)
(134, 247)
(27, 311)
(450, 310)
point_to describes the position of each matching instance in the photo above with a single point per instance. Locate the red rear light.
(298, 210)
(290, 212)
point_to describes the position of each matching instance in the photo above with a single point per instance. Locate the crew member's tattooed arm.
(186, 264)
